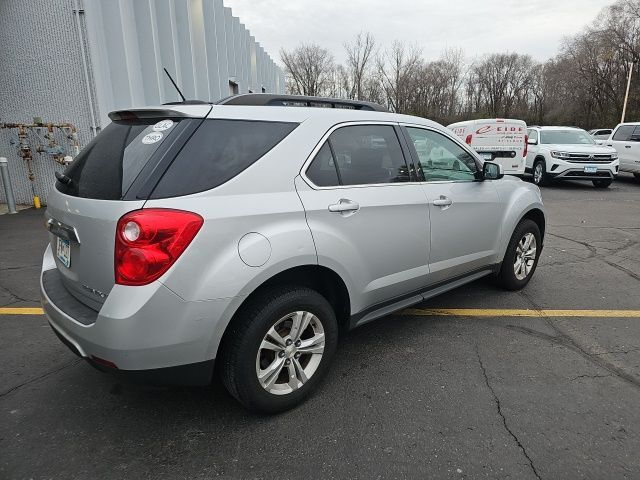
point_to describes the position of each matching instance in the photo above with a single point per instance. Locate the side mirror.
(492, 171)
(531, 141)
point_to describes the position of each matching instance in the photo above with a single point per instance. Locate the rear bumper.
(140, 332)
(192, 374)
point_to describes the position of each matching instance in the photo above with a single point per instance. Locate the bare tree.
(397, 68)
(309, 69)
(359, 55)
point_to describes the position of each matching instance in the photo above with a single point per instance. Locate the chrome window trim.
(323, 140)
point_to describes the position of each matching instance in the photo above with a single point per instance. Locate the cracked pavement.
(407, 397)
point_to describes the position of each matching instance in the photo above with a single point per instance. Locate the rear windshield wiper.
(62, 178)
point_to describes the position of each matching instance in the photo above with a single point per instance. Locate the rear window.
(107, 167)
(218, 151)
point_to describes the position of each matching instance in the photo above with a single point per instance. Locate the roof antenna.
(174, 85)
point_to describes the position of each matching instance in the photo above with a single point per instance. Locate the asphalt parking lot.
(450, 394)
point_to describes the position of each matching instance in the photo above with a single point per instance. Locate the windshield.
(566, 137)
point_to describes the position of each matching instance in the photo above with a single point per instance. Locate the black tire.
(544, 178)
(246, 332)
(604, 183)
(507, 276)
(637, 175)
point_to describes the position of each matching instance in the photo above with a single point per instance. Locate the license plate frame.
(486, 155)
(590, 169)
(63, 251)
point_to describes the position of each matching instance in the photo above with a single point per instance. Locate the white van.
(500, 140)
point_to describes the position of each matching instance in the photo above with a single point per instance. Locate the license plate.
(590, 169)
(63, 252)
(486, 156)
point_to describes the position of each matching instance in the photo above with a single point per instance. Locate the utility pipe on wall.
(85, 68)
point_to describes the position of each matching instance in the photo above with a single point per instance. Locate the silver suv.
(249, 232)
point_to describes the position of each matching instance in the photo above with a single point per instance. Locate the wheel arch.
(537, 215)
(317, 277)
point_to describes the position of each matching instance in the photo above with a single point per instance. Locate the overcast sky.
(535, 27)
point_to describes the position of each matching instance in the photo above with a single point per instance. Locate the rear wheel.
(279, 348)
(602, 183)
(521, 257)
(540, 176)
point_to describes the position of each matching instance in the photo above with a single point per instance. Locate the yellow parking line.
(21, 311)
(439, 312)
(508, 312)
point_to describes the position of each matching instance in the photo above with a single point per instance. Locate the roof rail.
(266, 99)
(189, 102)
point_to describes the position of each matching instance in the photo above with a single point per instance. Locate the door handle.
(442, 201)
(627, 146)
(344, 205)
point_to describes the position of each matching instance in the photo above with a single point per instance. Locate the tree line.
(583, 84)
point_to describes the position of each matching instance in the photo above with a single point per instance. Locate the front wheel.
(521, 257)
(540, 176)
(602, 183)
(278, 348)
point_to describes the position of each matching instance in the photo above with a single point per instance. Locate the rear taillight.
(149, 241)
(526, 146)
(468, 139)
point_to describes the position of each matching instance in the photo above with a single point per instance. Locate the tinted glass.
(322, 170)
(440, 158)
(624, 133)
(566, 137)
(369, 154)
(108, 165)
(218, 151)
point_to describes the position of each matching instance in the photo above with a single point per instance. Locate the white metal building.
(77, 60)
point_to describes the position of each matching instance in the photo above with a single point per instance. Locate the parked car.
(499, 140)
(247, 234)
(626, 140)
(569, 153)
(601, 133)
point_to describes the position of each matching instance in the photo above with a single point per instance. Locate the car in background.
(569, 153)
(500, 140)
(601, 133)
(626, 141)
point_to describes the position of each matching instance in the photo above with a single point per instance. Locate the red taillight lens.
(526, 146)
(149, 241)
(469, 138)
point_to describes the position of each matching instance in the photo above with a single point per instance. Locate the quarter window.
(440, 158)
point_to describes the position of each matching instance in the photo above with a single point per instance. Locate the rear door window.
(218, 151)
(107, 167)
(368, 154)
(624, 133)
(322, 171)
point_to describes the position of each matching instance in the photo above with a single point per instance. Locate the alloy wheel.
(525, 256)
(537, 173)
(290, 352)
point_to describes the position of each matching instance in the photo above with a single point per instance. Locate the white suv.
(569, 153)
(626, 141)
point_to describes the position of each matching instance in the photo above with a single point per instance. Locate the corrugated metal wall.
(200, 42)
(127, 44)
